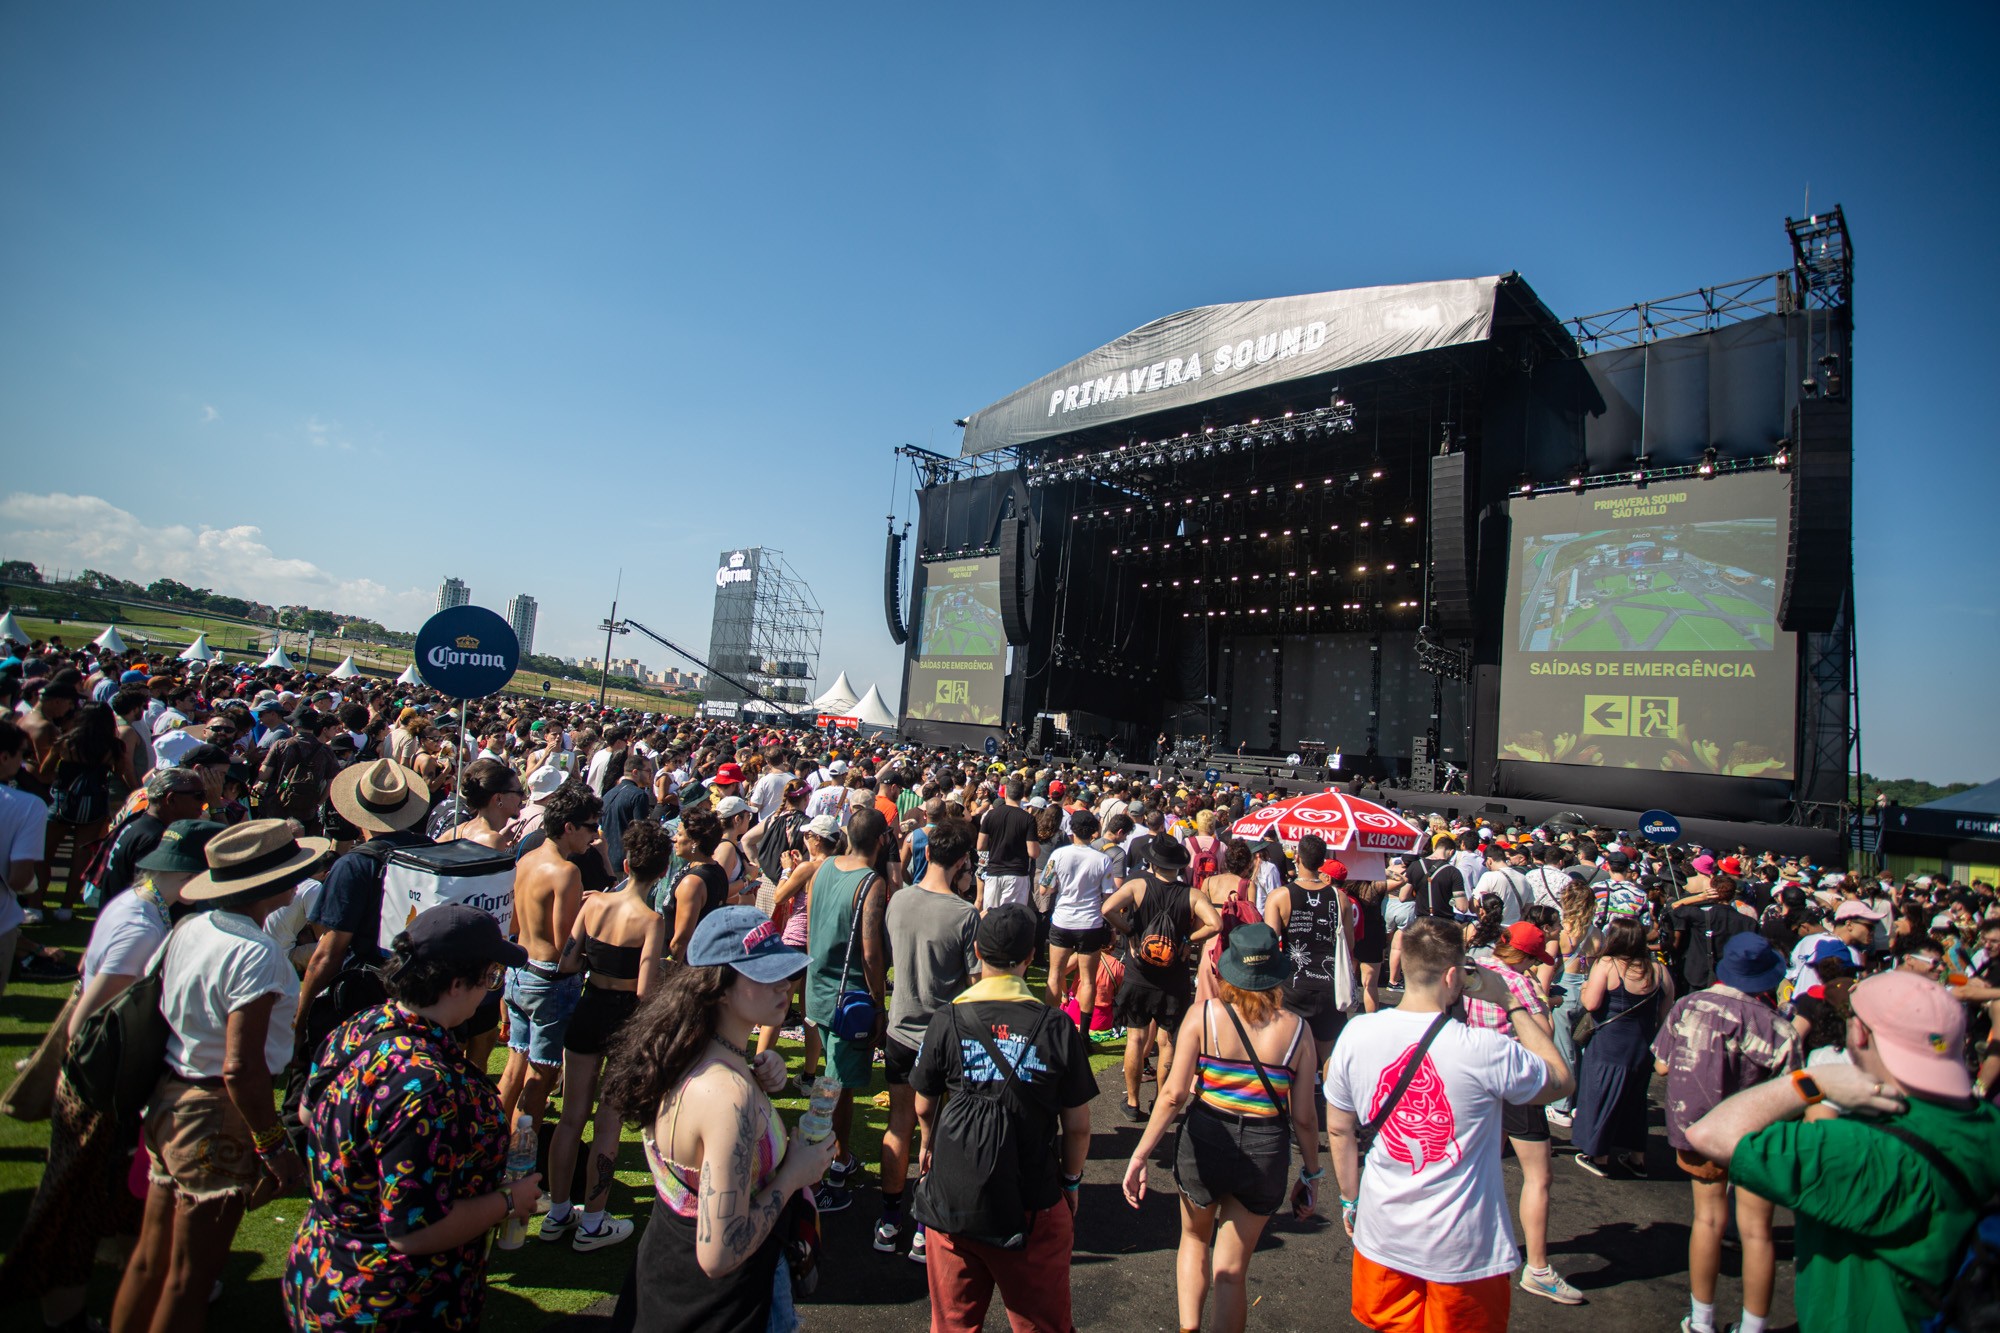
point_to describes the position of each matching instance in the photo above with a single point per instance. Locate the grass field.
(1738, 606)
(1670, 598)
(241, 641)
(527, 1288)
(1693, 634)
(1639, 623)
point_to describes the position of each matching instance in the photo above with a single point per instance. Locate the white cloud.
(86, 531)
(208, 414)
(327, 435)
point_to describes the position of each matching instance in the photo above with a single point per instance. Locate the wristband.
(1807, 1087)
(1349, 1203)
(1071, 1182)
(264, 1140)
(1312, 1175)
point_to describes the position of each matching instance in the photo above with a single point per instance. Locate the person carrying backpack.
(1885, 1203)
(1204, 849)
(297, 773)
(1164, 921)
(1004, 1153)
(1315, 918)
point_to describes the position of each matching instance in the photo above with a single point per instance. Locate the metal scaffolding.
(766, 631)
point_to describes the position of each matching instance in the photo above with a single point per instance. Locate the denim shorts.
(539, 1006)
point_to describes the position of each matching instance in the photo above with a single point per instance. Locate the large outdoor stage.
(1601, 562)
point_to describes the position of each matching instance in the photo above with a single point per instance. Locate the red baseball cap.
(1057, 789)
(1335, 871)
(1529, 939)
(729, 775)
(1920, 1031)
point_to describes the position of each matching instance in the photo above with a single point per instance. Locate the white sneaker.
(886, 1232)
(554, 1230)
(615, 1229)
(1558, 1119)
(31, 916)
(919, 1248)
(1553, 1286)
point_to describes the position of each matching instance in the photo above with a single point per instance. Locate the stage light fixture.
(1783, 458)
(1376, 475)
(1706, 468)
(1576, 484)
(1526, 487)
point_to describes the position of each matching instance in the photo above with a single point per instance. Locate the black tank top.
(715, 880)
(615, 962)
(1312, 935)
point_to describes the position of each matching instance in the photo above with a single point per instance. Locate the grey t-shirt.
(930, 946)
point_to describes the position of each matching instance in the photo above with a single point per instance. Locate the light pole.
(611, 625)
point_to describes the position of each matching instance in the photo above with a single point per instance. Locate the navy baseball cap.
(747, 940)
(458, 932)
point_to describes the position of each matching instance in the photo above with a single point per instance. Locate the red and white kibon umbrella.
(1345, 823)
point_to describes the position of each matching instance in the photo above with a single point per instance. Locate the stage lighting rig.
(1706, 469)
(1439, 660)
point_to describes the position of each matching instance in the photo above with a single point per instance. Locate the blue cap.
(747, 940)
(132, 676)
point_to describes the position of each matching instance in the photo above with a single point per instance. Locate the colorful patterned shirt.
(1485, 1014)
(404, 1128)
(1715, 1043)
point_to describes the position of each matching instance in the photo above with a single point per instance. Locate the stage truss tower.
(766, 630)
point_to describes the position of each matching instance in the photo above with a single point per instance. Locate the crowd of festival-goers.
(706, 916)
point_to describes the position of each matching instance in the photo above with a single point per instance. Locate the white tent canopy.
(873, 712)
(277, 658)
(198, 651)
(409, 676)
(840, 699)
(10, 630)
(109, 640)
(346, 670)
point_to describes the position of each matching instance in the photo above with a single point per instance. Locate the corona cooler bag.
(420, 878)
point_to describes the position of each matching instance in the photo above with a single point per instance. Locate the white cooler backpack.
(419, 878)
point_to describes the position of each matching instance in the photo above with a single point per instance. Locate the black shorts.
(1093, 940)
(1530, 1124)
(1248, 1158)
(600, 1012)
(1323, 1017)
(897, 1061)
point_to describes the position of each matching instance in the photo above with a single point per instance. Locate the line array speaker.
(1013, 603)
(892, 588)
(1451, 567)
(1819, 558)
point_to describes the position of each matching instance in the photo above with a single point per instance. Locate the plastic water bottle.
(817, 1122)
(520, 1162)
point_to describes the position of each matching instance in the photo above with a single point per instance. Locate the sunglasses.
(495, 975)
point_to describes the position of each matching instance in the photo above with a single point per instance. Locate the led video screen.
(960, 670)
(1642, 630)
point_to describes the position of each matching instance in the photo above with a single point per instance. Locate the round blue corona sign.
(1659, 826)
(467, 652)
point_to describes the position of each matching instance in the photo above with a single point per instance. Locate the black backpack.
(973, 1188)
(120, 1050)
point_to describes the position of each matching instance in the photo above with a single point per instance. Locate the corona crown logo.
(467, 642)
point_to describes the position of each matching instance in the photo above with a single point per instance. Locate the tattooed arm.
(734, 1216)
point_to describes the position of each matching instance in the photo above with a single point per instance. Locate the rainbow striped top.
(1233, 1086)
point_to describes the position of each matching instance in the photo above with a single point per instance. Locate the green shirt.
(829, 935)
(1871, 1212)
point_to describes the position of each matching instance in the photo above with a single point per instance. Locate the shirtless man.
(548, 893)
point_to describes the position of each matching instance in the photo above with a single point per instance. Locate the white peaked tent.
(345, 671)
(10, 631)
(409, 676)
(839, 700)
(277, 658)
(109, 640)
(873, 712)
(198, 651)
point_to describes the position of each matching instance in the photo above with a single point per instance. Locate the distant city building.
(453, 592)
(521, 615)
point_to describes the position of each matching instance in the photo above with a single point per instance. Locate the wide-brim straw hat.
(382, 797)
(252, 855)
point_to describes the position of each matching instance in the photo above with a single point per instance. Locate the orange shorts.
(1393, 1302)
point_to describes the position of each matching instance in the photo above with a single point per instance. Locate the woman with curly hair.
(724, 1173)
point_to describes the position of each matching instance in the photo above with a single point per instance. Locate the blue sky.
(326, 302)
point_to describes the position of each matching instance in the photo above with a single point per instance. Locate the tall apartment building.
(453, 592)
(521, 615)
